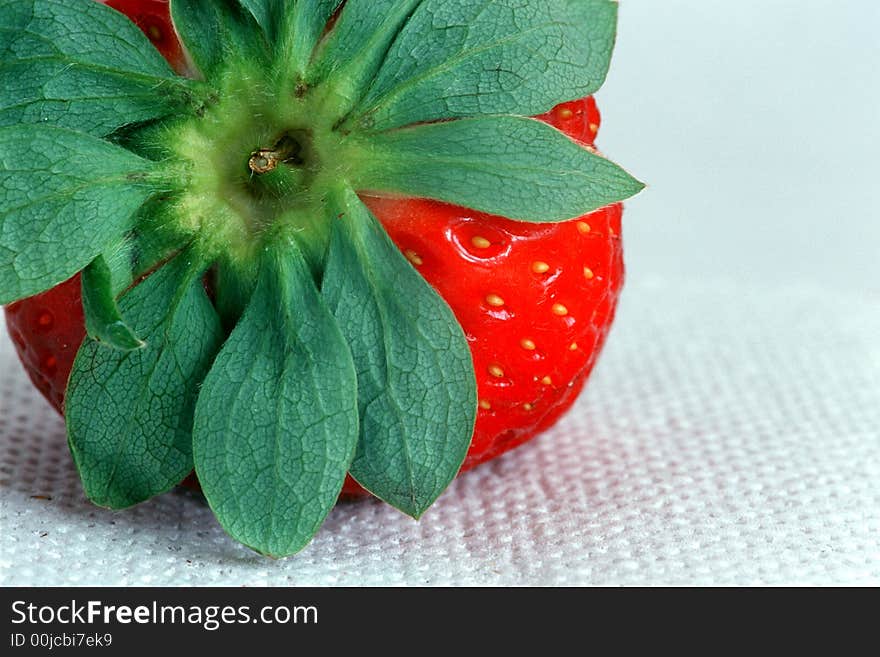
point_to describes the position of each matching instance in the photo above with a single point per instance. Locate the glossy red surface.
(47, 331)
(153, 17)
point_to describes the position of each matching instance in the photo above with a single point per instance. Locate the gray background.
(730, 432)
(757, 125)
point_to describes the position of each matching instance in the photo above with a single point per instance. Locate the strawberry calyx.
(246, 180)
(323, 353)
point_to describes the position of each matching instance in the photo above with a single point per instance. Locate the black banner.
(418, 621)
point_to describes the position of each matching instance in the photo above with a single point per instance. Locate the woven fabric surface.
(742, 450)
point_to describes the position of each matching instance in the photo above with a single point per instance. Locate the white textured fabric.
(728, 436)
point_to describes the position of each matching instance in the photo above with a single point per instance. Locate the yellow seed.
(485, 405)
(413, 257)
(481, 242)
(527, 344)
(559, 309)
(527, 407)
(588, 273)
(594, 128)
(494, 300)
(496, 371)
(547, 381)
(565, 113)
(583, 227)
(540, 267)
(573, 346)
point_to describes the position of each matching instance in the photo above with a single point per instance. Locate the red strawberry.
(154, 20)
(47, 331)
(579, 119)
(318, 350)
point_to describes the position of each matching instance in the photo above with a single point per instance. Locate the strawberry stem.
(288, 150)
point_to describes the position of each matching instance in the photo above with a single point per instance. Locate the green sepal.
(129, 414)
(217, 32)
(511, 166)
(65, 198)
(460, 58)
(276, 422)
(79, 64)
(306, 24)
(417, 391)
(104, 323)
(234, 286)
(268, 14)
(155, 238)
(352, 53)
(293, 29)
(298, 24)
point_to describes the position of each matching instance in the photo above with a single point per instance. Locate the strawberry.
(329, 256)
(153, 18)
(47, 331)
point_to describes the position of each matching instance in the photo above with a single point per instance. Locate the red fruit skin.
(579, 119)
(536, 301)
(47, 331)
(154, 19)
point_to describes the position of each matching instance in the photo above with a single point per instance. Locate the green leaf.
(154, 239)
(267, 14)
(129, 414)
(458, 58)
(310, 20)
(104, 323)
(215, 32)
(416, 387)
(81, 65)
(516, 167)
(276, 422)
(307, 21)
(355, 48)
(65, 197)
